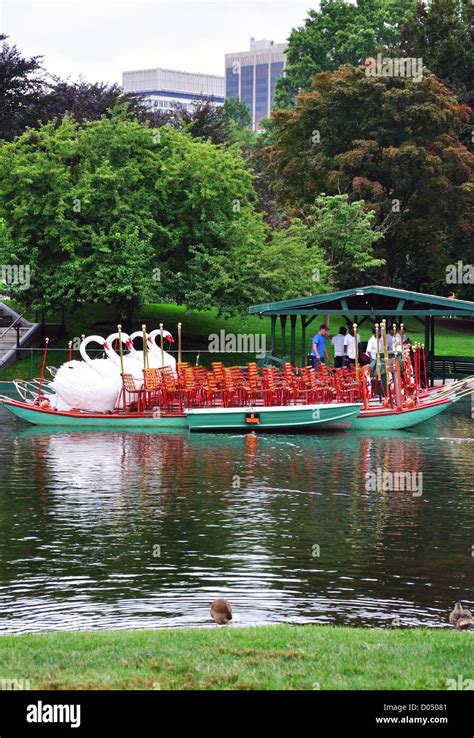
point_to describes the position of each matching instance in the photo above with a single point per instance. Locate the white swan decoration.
(154, 351)
(89, 385)
(131, 364)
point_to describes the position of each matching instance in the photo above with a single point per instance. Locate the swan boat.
(281, 418)
(123, 393)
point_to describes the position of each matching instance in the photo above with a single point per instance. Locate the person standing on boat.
(349, 347)
(371, 349)
(394, 341)
(337, 342)
(318, 351)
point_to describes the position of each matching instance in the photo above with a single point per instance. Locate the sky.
(99, 40)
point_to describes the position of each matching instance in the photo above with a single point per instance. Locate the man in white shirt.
(337, 342)
(371, 349)
(390, 341)
(349, 346)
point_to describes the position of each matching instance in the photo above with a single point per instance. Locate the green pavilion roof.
(370, 301)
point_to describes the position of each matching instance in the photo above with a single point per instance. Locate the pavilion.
(370, 303)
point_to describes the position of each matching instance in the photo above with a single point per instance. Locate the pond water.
(138, 530)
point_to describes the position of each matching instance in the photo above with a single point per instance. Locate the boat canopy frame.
(359, 304)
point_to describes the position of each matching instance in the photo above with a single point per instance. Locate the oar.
(387, 368)
(356, 352)
(145, 347)
(424, 365)
(162, 349)
(43, 367)
(460, 384)
(379, 375)
(394, 328)
(179, 342)
(119, 329)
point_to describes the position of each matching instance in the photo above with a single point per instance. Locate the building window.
(261, 92)
(246, 86)
(231, 82)
(277, 72)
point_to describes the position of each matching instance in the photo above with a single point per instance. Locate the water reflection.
(143, 530)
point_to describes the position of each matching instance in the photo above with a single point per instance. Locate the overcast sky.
(99, 40)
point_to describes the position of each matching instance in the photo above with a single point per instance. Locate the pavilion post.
(283, 336)
(272, 335)
(293, 340)
(432, 348)
(427, 345)
(303, 341)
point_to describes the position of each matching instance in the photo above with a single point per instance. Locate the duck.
(221, 611)
(461, 618)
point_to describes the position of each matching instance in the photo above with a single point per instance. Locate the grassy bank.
(453, 337)
(273, 657)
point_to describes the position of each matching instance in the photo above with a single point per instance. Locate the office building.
(163, 88)
(251, 76)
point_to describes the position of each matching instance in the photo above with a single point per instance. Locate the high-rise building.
(251, 76)
(162, 88)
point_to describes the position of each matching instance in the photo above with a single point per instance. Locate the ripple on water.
(143, 531)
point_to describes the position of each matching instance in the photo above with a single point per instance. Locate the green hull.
(102, 422)
(399, 420)
(296, 417)
(290, 417)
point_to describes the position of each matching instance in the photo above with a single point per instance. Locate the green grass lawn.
(453, 337)
(271, 657)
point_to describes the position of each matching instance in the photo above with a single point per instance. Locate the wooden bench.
(450, 367)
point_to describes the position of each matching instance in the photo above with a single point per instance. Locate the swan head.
(166, 335)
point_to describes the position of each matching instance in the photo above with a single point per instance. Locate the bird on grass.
(461, 618)
(221, 611)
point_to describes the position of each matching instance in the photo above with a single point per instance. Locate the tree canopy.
(393, 143)
(114, 210)
(340, 32)
(440, 32)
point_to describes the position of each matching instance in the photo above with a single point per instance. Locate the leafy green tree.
(393, 143)
(204, 120)
(342, 231)
(285, 266)
(77, 205)
(238, 111)
(20, 85)
(115, 211)
(440, 32)
(340, 32)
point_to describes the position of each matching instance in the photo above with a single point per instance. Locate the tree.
(342, 230)
(238, 111)
(285, 266)
(338, 33)
(113, 210)
(393, 143)
(205, 120)
(77, 207)
(20, 84)
(440, 32)
(83, 100)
